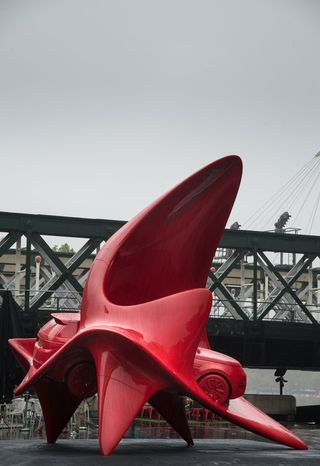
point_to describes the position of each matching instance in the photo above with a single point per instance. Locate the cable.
(281, 205)
(265, 206)
(302, 173)
(299, 190)
(314, 213)
(308, 193)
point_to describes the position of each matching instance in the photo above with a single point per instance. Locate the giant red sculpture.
(140, 336)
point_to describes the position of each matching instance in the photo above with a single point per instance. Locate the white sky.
(105, 105)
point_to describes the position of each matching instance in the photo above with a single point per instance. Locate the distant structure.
(300, 196)
(235, 226)
(281, 222)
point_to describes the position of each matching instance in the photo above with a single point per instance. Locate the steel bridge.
(265, 285)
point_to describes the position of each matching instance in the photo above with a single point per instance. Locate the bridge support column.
(17, 270)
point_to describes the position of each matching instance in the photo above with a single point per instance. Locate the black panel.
(232, 346)
(289, 353)
(267, 344)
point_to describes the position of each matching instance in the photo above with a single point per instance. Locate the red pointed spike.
(119, 404)
(171, 406)
(243, 413)
(122, 392)
(58, 405)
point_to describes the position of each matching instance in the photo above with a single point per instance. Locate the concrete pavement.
(153, 452)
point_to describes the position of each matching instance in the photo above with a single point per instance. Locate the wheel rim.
(216, 387)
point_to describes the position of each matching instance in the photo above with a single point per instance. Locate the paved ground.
(153, 452)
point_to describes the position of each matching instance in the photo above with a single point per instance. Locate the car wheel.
(216, 386)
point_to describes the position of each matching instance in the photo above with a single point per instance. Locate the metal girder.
(28, 272)
(279, 282)
(59, 226)
(286, 282)
(57, 265)
(8, 241)
(242, 242)
(232, 306)
(8, 282)
(269, 241)
(64, 272)
(224, 270)
(67, 298)
(229, 303)
(255, 290)
(98, 228)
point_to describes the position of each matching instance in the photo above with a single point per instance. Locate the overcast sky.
(105, 105)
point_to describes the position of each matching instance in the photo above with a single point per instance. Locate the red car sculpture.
(140, 334)
(220, 376)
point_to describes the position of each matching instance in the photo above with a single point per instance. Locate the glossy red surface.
(216, 386)
(221, 376)
(142, 318)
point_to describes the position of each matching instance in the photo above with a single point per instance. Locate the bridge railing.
(281, 312)
(68, 301)
(58, 301)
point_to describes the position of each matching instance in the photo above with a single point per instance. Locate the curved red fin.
(23, 348)
(171, 326)
(169, 246)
